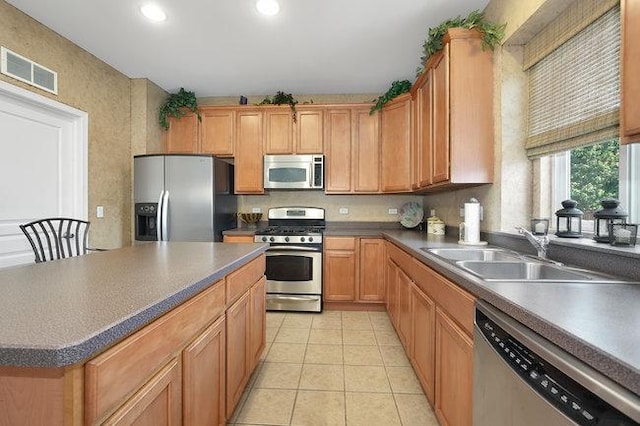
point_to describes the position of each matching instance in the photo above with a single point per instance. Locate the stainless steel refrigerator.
(181, 197)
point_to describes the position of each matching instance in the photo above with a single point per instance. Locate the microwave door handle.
(311, 177)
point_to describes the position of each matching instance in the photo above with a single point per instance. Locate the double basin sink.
(495, 264)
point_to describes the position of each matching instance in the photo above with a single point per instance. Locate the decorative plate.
(411, 214)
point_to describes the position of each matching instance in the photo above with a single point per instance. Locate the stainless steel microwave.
(294, 171)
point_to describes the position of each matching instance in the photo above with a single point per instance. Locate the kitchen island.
(67, 323)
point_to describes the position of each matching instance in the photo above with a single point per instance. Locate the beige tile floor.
(334, 368)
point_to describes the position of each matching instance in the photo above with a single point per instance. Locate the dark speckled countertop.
(64, 312)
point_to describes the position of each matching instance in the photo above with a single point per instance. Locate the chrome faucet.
(539, 242)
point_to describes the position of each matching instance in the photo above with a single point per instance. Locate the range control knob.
(264, 239)
(310, 239)
(272, 239)
(286, 239)
(302, 239)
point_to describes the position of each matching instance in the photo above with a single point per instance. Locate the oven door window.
(290, 268)
(288, 174)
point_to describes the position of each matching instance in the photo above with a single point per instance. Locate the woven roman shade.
(574, 91)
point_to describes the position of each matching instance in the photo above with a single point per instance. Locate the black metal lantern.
(569, 220)
(610, 214)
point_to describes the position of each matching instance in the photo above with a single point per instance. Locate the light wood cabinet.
(337, 149)
(237, 239)
(182, 136)
(395, 142)
(249, 165)
(423, 338)
(340, 269)
(392, 271)
(257, 333)
(354, 270)
(309, 130)
(366, 151)
(238, 350)
(278, 131)
(454, 372)
(371, 286)
(158, 402)
(434, 320)
(404, 317)
(217, 131)
(453, 111)
(285, 136)
(204, 371)
(629, 71)
(422, 141)
(352, 150)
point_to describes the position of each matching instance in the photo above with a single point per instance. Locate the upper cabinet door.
(249, 165)
(278, 131)
(309, 131)
(217, 131)
(440, 141)
(366, 151)
(337, 148)
(423, 142)
(182, 136)
(396, 145)
(630, 69)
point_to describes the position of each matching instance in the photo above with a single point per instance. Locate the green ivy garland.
(175, 106)
(397, 88)
(492, 34)
(282, 98)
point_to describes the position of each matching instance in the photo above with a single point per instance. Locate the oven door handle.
(274, 249)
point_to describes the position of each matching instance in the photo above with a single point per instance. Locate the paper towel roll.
(472, 222)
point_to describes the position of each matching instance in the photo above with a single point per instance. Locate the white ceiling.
(225, 48)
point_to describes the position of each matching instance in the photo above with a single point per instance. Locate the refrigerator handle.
(165, 214)
(159, 216)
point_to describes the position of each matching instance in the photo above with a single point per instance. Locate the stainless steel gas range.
(294, 258)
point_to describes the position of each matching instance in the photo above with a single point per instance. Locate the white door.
(43, 166)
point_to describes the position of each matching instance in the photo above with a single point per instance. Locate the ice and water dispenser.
(146, 224)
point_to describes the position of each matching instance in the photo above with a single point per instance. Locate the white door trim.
(74, 124)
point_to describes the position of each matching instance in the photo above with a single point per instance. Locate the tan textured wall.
(361, 207)
(86, 83)
(155, 135)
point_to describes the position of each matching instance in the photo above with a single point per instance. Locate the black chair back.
(57, 238)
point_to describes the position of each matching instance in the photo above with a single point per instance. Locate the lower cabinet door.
(340, 275)
(258, 321)
(158, 402)
(454, 372)
(423, 340)
(371, 286)
(204, 377)
(238, 350)
(404, 309)
(392, 291)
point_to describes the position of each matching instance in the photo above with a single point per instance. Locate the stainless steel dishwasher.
(522, 379)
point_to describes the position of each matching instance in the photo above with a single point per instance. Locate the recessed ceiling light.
(268, 7)
(153, 13)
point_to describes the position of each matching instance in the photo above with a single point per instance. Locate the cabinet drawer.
(340, 243)
(401, 258)
(121, 370)
(239, 281)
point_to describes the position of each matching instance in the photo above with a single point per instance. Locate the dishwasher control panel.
(572, 399)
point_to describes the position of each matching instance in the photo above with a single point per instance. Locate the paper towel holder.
(469, 229)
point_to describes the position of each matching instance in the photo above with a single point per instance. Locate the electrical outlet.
(100, 211)
(344, 210)
(393, 211)
(461, 211)
(256, 210)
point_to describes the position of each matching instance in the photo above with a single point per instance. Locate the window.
(574, 105)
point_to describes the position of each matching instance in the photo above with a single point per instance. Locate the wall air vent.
(23, 69)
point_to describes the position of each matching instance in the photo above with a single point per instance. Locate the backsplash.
(360, 207)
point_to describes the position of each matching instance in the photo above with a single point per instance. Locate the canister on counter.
(435, 225)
